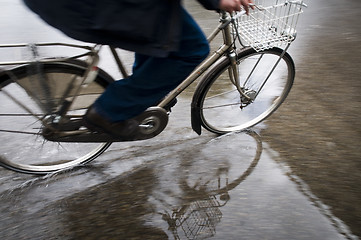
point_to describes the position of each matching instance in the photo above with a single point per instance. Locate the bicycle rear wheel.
(26, 98)
(266, 77)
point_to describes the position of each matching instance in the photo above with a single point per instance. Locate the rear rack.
(18, 54)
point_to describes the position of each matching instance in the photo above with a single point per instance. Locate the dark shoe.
(95, 122)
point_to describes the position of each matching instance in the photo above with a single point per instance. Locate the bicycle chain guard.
(151, 123)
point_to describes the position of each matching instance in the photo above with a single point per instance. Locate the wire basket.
(271, 24)
(199, 219)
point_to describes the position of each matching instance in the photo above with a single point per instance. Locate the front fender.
(196, 118)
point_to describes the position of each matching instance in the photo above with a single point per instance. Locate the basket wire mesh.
(271, 24)
(200, 218)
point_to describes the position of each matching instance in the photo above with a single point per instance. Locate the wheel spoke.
(223, 105)
(21, 132)
(221, 94)
(19, 115)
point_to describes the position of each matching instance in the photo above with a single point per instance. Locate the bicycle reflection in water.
(203, 193)
(183, 196)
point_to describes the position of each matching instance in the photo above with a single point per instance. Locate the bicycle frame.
(227, 49)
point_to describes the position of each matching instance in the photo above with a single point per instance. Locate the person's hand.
(235, 5)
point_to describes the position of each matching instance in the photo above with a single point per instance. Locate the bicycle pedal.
(72, 125)
(64, 127)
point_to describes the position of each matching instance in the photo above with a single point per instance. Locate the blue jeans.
(153, 78)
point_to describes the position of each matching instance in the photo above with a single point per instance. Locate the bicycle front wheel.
(265, 78)
(27, 97)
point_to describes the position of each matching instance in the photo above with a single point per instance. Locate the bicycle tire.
(219, 105)
(23, 147)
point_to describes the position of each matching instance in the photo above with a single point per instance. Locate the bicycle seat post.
(88, 77)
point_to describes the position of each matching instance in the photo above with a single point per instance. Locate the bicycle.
(242, 83)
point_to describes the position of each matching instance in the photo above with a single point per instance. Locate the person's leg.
(153, 78)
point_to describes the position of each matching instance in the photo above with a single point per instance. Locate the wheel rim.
(23, 148)
(222, 108)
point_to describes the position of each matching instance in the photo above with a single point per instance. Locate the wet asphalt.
(295, 176)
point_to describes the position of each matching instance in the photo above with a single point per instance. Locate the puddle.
(220, 188)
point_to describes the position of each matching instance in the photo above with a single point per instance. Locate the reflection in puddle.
(223, 188)
(192, 207)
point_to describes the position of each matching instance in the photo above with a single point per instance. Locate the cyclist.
(167, 42)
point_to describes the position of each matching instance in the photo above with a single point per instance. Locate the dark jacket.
(150, 27)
